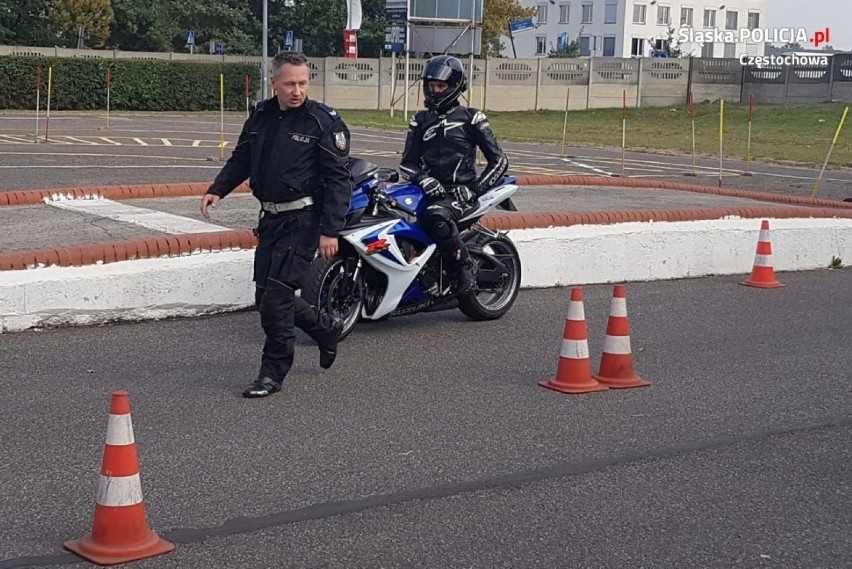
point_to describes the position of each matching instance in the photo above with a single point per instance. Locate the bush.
(137, 85)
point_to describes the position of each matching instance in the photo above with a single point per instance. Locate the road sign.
(395, 38)
(521, 25)
(396, 10)
(190, 37)
(220, 48)
(288, 38)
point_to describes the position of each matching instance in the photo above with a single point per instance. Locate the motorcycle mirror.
(386, 175)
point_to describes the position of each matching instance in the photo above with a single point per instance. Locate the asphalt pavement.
(141, 148)
(430, 444)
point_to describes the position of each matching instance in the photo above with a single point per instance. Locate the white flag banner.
(353, 14)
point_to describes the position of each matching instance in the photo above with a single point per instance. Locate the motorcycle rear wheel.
(490, 303)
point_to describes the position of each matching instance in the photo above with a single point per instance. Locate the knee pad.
(439, 223)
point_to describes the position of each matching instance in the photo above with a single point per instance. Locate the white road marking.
(166, 142)
(89, 142)
(105, 139)
(140, 142)
(148, 218)
(588, 167)
(16, 139)
(196, 142)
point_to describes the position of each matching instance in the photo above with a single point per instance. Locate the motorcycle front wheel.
(498, 280)
(332, 287)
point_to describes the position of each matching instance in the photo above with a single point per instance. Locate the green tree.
(144, 26)
(495, 22)
(66, 17)
(231, 22)
(24, 22)
(572, 49)
(670, 45)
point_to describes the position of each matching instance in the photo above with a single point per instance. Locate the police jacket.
(288, 155)
(443, 146)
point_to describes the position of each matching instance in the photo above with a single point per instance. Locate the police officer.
(295, 153)
(440, 156)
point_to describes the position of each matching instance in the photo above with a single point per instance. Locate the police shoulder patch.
(340, 141)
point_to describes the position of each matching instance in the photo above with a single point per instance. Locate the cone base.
(100, 554)
(756, 284)
(575, 388)
(621, 382)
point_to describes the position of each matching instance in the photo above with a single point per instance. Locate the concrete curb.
(220, 280)
(204, 273)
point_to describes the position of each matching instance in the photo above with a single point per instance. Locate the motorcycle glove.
(432, 187)
(463, 194)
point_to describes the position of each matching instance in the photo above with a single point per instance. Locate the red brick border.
(32, 197)
(651, 184)
(175, 246)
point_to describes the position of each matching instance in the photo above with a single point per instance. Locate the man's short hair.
(291, 57)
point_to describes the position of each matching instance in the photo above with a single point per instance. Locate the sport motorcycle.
(387, 265)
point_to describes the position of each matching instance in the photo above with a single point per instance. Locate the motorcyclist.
(440, 156)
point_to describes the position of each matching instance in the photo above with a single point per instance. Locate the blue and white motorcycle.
(387, 265)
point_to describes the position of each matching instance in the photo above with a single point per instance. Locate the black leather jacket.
(443, 146)
(310, 157)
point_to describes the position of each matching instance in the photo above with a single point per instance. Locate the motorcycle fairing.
(391, 261)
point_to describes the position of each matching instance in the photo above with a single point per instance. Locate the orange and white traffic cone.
(616, 370)
(762, 274)
(120, 531)
(574, 372)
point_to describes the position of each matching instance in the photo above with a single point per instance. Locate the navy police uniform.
(297, 164)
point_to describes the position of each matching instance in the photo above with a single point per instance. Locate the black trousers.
(287, 243)
(439, 221)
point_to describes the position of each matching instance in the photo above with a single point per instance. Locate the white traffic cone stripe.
(763, 260)
(119, 430)
(575, 311)
(618, 307)
(117, 491)
(764, 235)
(617, 345)
(574, 349)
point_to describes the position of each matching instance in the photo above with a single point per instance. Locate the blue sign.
(520, 25)
(220, 48)
(395, 38)
(288, 38)
(190, 37)
(562, 43)
(396, 14)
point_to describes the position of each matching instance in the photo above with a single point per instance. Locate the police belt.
(272, 207)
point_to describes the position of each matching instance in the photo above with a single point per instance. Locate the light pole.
(264, 80)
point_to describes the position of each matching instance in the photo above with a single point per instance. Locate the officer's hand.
(208, 200)
(327, 247)
(432, 187)
(463, 194)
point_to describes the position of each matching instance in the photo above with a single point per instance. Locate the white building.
(631, 28)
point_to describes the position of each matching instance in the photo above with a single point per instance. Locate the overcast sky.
(814, 15)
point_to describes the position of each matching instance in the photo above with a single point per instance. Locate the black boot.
(328, 349)
(462, 268)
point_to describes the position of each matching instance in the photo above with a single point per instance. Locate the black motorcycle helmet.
(450, 70)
